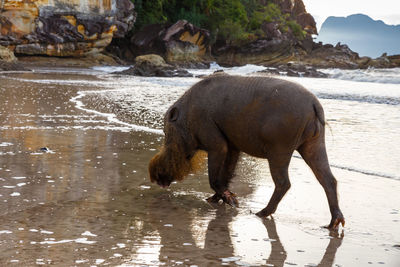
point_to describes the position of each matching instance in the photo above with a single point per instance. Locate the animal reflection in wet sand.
(178, 232)
(278, 254)
(180, 242)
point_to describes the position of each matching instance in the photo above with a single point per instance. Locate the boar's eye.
(173, 114)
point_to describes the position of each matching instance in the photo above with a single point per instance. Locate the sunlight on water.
(389, 76)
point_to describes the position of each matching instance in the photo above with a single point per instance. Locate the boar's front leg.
(221, 166)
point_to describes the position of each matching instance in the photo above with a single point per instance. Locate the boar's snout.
(164, 180)
(157, 174)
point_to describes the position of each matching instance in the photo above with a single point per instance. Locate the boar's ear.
(173, 114)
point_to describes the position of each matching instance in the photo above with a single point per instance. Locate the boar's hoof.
(214, 199)
(230, 198)
(227, 197)
(264, 213)
(336, 221)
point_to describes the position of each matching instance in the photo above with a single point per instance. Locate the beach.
(74, 187)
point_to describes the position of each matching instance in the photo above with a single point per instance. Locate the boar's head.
(174, 161)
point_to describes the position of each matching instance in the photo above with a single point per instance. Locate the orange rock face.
(61, 27)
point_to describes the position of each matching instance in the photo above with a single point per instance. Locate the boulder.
(7, 55)
(86, 61)
(8, 61)
(154, 65)
(60, 28)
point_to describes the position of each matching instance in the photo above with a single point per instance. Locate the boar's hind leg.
(280, 176)
(221, 165)
(314, 154)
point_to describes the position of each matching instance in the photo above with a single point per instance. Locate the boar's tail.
(319, 112)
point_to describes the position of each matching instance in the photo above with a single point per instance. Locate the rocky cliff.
(61, 27)
(275, 45)
(180, 43)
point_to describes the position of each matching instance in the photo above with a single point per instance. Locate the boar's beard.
(168, 165)
(171, 164)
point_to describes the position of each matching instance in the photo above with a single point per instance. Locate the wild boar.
(264, 117)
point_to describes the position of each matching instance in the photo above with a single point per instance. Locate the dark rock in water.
(180, 44)
(341, 56)
(217, 72)
(154, 65)
(44, 149)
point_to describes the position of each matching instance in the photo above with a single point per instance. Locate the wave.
(240, 70)
(111, 117)
(110, 69)
(368, 75)
(361, 98)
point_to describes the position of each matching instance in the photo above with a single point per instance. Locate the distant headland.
(362, 34)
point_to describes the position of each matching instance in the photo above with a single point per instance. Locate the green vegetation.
(229, 21)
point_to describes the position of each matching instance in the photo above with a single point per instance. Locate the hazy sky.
(385, 10)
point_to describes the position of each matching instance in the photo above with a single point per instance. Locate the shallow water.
(87, 200)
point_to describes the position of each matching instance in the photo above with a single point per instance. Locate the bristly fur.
(171, 163)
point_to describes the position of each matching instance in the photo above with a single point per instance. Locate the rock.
(271, 30)
(8, 61)
(395, 59)
(261, 52)
(306, 20)
(381, 62)
(329, 56)
(86, 61)
(154, 65)
(7, 55)
(179, 43)
(215, 73)
(276, 47)
(125, 17)
(59, 28)
(151, 60)
(307, 44)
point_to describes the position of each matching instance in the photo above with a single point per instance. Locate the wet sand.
(88, 200)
